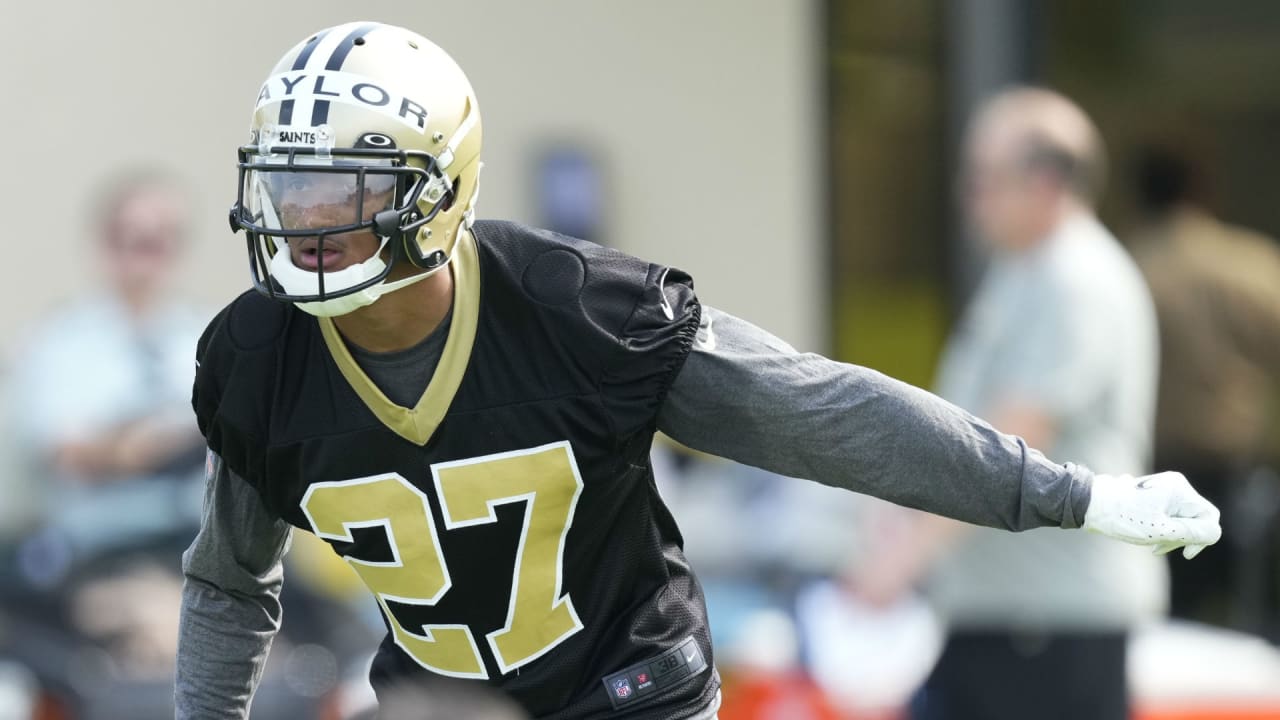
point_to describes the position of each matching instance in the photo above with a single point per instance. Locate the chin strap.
(356, 300)
(386, 287)
(468, 124)
(469, 216)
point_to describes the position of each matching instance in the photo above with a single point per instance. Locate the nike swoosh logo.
(1142, 485)
(662, 292)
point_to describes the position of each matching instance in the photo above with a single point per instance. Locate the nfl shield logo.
(622, 688)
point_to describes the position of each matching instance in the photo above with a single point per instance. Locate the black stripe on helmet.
(320, 110)
(286, 107)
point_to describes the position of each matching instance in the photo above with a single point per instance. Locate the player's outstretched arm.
(746, 395)
(230, 600)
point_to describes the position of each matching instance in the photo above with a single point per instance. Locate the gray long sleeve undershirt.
(230, 600)
(742, 394)
(746, 395)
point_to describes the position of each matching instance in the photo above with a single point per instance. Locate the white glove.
(1161, 510)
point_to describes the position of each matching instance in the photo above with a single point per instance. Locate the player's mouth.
(307, 255)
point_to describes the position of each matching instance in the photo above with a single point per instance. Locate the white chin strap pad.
(297, 281)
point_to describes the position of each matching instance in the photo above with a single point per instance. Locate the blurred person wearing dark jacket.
(1217, 292)
(1059, 346)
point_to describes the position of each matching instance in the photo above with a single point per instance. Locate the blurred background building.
(796, 156)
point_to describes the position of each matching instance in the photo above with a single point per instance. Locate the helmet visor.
(318, 199)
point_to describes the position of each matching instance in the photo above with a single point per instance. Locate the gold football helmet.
(361, 128)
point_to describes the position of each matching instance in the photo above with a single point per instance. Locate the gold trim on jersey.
(419, 423)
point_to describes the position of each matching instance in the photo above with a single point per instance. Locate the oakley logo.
(307, 88)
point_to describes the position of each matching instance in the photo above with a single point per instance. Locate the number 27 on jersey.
(545, 479)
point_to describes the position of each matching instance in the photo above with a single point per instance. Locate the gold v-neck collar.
(417, 424)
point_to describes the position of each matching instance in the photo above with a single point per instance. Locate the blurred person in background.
(100, 407)
(101, 390)
(1059, 346)
(1217, 293)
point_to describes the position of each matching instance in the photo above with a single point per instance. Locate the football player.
(463, 409)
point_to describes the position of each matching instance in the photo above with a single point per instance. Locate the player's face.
(316, 200)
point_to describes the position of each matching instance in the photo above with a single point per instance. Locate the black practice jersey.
(508, 524)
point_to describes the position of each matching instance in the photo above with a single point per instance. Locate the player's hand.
(1160, 510)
